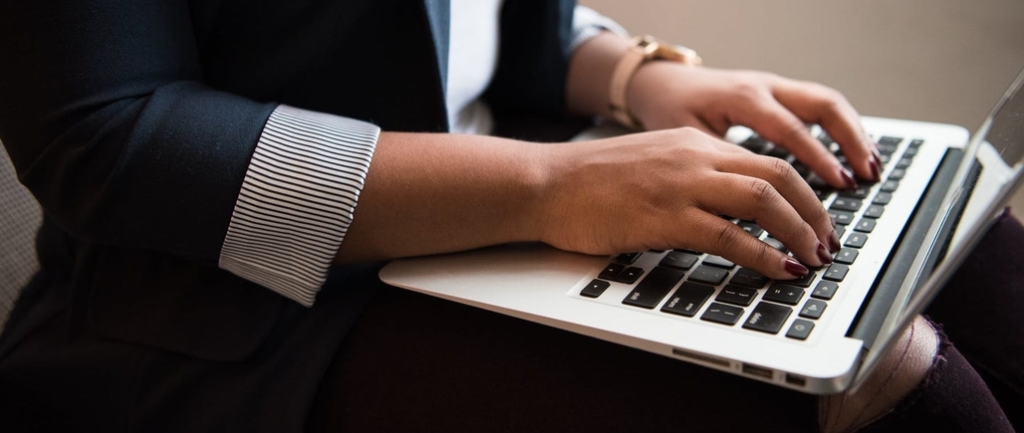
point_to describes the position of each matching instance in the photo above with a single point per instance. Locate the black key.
(822, 193)
(752, 228)
(736, 295)
(825, 290)
(775, 243)
(611, 271)
(904, 162)
(778, 152)
(865, 225)
(800, 329)
(688, 299)
(882, 198)
(887, 150)
(804, 281)
(898, 174)
(840, 230)
(846, 256)
(836, 272)
(627, 258)
(841, 217)
(684, 250)
(847, 204)
(856, 240)
(813, 309)
(874, 211)
(802, 169)
(860, 192)
(595, 288)
(915, 143)
(767, 318)
(825, 139)
(911, 152)
(784, 293)
(749, 278)
(652, 289)
(719, 261)
(708, 274)
(755, 144)
(889, 141)
(630, 275)
(722, 313)
(886, 159)
(679, 260)
(890, 185)
(656, 251)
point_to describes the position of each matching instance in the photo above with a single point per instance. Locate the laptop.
(902, 237)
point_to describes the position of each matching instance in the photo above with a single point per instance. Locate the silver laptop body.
(947, 192)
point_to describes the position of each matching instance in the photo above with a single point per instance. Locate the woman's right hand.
(668, 189)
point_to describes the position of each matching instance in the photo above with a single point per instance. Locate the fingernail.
(794, 267)
(847, 178)
(874, 171)
(833, 241)
(877, 156)
(823, 254)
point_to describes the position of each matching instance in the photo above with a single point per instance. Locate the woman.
(202, 245)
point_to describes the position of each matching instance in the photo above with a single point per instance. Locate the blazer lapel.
(439, 14)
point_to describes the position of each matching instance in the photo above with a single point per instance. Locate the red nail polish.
(823, 254)
(875, 176)
(847, 178)
(833, 242)
(794, 267)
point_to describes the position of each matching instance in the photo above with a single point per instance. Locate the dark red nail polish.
(875, 176)
(848, 181)
(794, 267)
(823, 254)
(833, 242)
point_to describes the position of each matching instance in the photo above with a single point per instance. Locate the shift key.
(653, 289)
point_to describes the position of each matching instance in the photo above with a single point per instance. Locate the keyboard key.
(679, 260)
(627, 258)
(595, 288)
(630, 275)
(911, 152)
(719, 262)
(836, 272)
(860, 193)
(775, 243)
(804, 281)
(889, 186)
(755, 144)
(800, 329)
(898, 174)
(840, 230)
(722, 313)
(784, 294)
(752, 228)
(846, 256)
(813, 309)
(882, 198)
(904, 162)
(917, 142)
(767, 318)
(741, 296)
(886, 159)
(652, 289)
(841, 217)
(874, 211)
(709, 274)
(778, 152)
(889, 141)
(856, 240)
(688, 299)
(611, 271)
(825, 290)
(825, 139)
(846, 204)
(887, 149)
(684, 250)
(865, 225)
(749, 278)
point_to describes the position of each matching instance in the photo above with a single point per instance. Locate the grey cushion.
(20, 217)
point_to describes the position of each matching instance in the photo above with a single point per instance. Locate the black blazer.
(133, 122)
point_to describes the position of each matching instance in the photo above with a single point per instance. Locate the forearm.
(436, 193)
(590, 71)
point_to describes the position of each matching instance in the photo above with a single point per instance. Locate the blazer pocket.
(181, 306)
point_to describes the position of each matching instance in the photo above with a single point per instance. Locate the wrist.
(643, 51)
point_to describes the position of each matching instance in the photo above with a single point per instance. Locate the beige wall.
(935, 60)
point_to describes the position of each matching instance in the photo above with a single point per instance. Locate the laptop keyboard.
(715, 290)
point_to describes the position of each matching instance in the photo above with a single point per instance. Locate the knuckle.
(780, 169)
(726, 238)
(762, 193)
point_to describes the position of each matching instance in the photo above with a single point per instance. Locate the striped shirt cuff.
(587, 23)
(297, 200)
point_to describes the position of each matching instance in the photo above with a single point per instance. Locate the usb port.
(793, 379)
(758, 371)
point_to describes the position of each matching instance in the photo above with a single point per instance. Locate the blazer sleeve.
(107, 120)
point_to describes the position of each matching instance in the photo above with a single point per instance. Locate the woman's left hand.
(665, 94)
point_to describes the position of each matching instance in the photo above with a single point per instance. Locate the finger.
(819, 104)
(715, 235)
(756, 199)
(777, 124)
(788, 183)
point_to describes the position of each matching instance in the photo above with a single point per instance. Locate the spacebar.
(653, 289)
